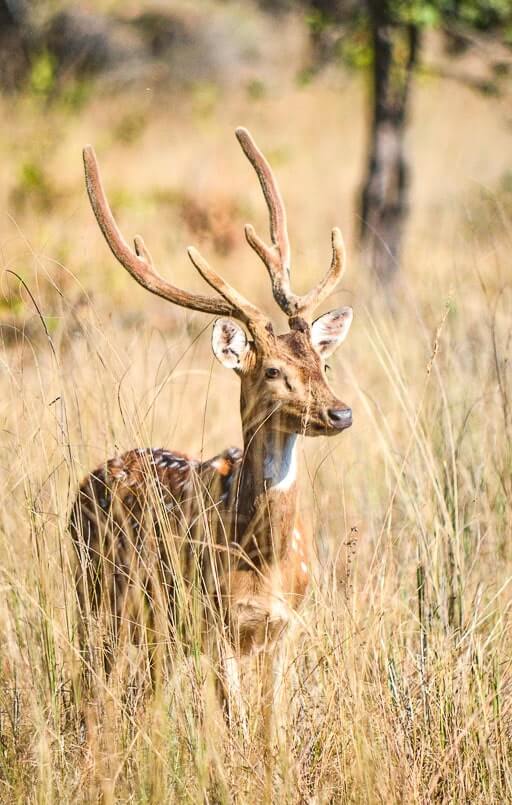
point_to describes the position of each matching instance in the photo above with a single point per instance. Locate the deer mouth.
(327, 423)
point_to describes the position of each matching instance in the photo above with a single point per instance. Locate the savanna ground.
(398, 674)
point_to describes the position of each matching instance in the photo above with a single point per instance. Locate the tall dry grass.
(398, 672)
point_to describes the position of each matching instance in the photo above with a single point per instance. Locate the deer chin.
(322, 427)
(331, 430)
(313, 427)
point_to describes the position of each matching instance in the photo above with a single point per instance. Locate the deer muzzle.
(340, 418)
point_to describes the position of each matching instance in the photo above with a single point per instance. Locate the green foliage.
(129, 128)
(353, 45)
(74, 94)
(484, 15)
(43, 74)
(44, 84)
(10, 303)
(33, 187)
(480, 14)
(256, 89)
(32, 177)
(205, 97)
(317, 21)
(356, 50)
(305, 76)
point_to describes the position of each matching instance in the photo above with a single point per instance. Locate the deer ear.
(229, 344)
(328, 331)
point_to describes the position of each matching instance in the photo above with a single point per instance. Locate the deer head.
(283, 377)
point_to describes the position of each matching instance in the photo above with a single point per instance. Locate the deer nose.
(340, 417)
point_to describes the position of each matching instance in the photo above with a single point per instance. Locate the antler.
(140, 265)
(276, 257)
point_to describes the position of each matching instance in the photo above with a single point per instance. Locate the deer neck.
(280, 461)
(267, 493)
(270, 462)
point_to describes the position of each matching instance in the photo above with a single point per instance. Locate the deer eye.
(272, 373)
(327, 367)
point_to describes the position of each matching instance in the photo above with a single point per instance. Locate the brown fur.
(142, 513)
(117, 524)
(228, 527)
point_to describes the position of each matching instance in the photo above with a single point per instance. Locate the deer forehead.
(293, 350)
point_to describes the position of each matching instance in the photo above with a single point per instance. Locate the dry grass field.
(398, 682)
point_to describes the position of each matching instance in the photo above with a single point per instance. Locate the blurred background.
(390, 119)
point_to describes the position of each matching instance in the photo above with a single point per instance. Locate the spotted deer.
(253, 552)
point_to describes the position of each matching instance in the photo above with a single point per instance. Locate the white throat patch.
(280, 465)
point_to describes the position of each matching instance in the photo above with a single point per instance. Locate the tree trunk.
(384, 201)
(14, 59)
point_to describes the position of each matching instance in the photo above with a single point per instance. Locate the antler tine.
(276, 257)
(275, 204)
(317, 295)
(246, 311)
(140, 264)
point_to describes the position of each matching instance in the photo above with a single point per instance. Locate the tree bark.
(384, 200)
(14, 58)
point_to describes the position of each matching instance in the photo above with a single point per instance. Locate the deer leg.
(113, 605)
(267, 708)
(273, 712)
(229, 689)
(279, 710)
